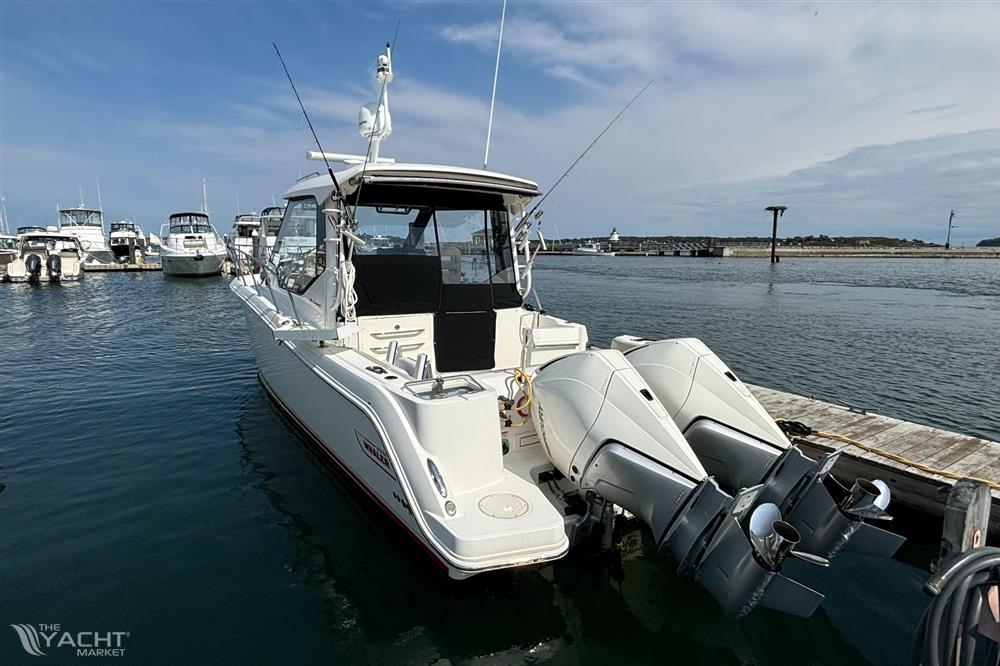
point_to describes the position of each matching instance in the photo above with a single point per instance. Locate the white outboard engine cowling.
(740, 445)
(604, 429)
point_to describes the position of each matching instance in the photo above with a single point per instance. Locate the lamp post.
(777, 211)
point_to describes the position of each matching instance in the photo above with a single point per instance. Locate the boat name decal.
(378, 456)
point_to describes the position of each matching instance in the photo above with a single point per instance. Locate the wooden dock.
(122, 268)
(914, 488)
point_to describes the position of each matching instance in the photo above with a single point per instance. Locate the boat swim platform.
(121, 268)
(919, 490)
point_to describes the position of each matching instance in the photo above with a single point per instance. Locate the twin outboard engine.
(740, 445)
(54, 264)
(33, 266)
(606, 431)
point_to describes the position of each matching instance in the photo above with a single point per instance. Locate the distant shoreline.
(816, 252)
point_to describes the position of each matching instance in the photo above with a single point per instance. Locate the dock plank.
(939, 449)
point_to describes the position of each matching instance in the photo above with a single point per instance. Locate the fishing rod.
(329, 169)
(527, 216)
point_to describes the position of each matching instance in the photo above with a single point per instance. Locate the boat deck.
(916, 488)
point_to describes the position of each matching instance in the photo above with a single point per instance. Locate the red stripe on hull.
(331, 457)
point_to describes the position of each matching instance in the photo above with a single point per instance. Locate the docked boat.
(127, 241)
(270, 222)
(492, 433)
(246, 241)
(191, 246)
(592, 249)
(87, 224)
(47, 256)
(8, 252)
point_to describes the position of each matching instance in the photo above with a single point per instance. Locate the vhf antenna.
(587, 150)
(329, 169)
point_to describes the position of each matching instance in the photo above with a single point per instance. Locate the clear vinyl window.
(299, 252)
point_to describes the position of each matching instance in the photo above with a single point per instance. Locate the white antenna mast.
(81, 194)
(204, 197)
(100, 204)
(493, 97)
(237, 203)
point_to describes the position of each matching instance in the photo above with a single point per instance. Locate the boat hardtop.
(456, 177)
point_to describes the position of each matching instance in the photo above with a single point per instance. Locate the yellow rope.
(905, 461)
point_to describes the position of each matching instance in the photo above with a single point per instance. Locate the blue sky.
(863, 118)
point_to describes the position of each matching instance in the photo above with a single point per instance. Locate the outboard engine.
(604, 430)
(740, 445)
(33, 266)
(54, 264)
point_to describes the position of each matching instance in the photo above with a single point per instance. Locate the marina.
(386, 420)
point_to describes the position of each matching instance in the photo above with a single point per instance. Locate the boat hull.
(193, 265)
(338, 429)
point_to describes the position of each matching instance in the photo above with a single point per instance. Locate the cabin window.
(299, 251)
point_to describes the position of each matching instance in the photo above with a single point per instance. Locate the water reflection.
(382, 600)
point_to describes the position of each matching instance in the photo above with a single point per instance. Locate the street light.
(777, 211)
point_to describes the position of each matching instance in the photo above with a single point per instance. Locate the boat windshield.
(445, 248)
(187, 224)
(81, 217)
(123, 226)
(473, 245)
(50, 243)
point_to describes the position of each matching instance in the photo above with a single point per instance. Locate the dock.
(121, 268)
(917, 489)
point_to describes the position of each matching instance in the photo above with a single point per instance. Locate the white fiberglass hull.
(336, 426)
(191, 264)
(586, 252)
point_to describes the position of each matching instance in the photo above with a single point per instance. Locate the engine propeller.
(867, 499)
(773, 539)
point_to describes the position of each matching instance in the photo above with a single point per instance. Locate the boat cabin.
(244, 225)
(433, 261)
(81, 217)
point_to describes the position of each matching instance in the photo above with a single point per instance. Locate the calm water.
(147, 485)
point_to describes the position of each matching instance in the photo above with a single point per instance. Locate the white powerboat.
(87, 224)
(245, 241)
(47, 256)
(592, 249)
(8, 253)
(270, 222)
(127, 241)
(191, 246)
(491, 433)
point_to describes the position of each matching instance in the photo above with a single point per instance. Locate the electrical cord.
(947, 630)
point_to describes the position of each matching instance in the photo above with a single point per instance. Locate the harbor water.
(148, 486)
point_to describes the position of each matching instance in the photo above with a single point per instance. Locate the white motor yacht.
(592, 249)
(245, 241)
(8, 252)
(127, 241)
(490, 432)
(87, 224)
(270, 222)
(47, 256)
(191, 246)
